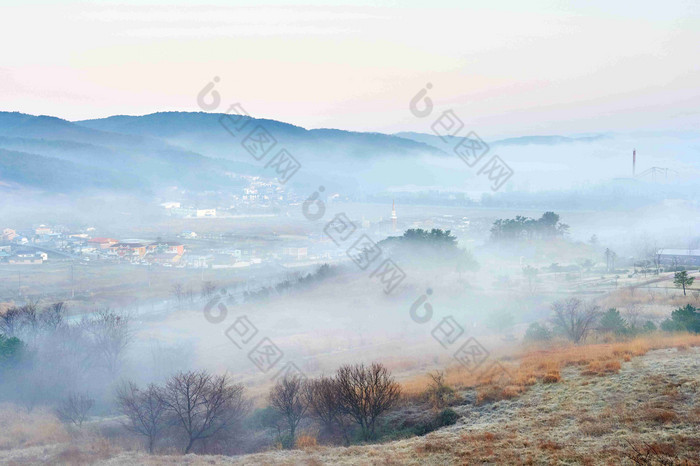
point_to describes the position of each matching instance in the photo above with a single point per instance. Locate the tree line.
(525, 228)
(200, 411)
(575, 319)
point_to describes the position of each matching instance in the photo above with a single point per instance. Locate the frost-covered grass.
(650, 403)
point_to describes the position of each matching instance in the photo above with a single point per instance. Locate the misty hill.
(15, 124)
(327, 156)
(191, 150)
(81, 154)
(187, 128)
(51, 174)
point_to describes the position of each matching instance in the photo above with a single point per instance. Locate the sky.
(504, 68)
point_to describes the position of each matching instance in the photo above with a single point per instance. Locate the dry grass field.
(603, 403)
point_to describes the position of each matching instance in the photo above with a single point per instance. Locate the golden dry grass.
(654, 301)
(306, 441)
(21, 429)
(528, 366)
(587, 420)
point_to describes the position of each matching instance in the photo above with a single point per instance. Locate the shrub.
(75, 408)
(439, 393)
(683, 319)
(612, 321)
(686, 318)
(649, 326)
(446, 417)
(423, 428)
(10, 351)
(538, 332)
(669, 325)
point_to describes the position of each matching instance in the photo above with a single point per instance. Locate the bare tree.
(287, 398)
(574, 317)
(323, 399)
(109, 335)
(633, 315)
(179, 292)
(656, 259)
(530, 273)
(649, 251)
(366, 393)
(20, 321)
(652, 295)
(203, 405)
(208, 289)
(52, 317)
(145, 410)
(75, 408)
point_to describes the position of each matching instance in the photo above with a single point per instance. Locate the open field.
(606, 401)
(375, 233)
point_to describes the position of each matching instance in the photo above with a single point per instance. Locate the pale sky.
(503, 67)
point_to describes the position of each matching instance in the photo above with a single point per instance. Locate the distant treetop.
(546, 227)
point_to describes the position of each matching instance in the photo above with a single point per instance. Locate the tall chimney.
(634, 163)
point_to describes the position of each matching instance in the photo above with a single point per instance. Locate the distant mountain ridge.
(188, 127)
(348, 161)
(191, 150)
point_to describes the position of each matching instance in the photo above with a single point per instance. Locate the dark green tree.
(10, 351)
(612, 321)
(683, 319)
(683, 280)
(519, 228)
(538, 332)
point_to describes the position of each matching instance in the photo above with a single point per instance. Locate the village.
(211, 247)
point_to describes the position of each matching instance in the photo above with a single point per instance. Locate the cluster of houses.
(258, 195)
(175, 209)
(36, 246)
(21, 256)
(206, 250)
(157, 252)
(14, 248)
